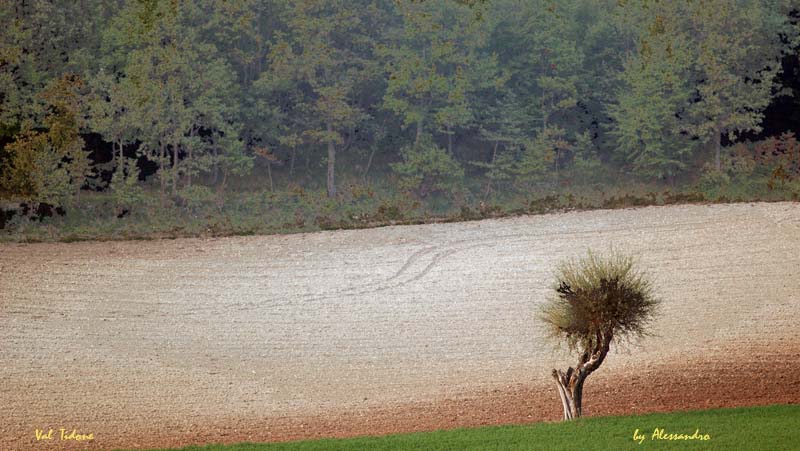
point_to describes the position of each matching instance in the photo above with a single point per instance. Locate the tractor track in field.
(396, 329)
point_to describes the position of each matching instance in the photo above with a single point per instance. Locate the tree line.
(428, 92)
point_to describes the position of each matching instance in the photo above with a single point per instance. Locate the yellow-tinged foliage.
(599, 295)
(49, 166)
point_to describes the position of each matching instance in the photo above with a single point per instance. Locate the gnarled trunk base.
(570, 391)
(570, 383)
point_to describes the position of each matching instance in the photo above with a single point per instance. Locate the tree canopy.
(516, 94)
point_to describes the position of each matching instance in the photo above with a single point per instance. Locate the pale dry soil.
(159, 343)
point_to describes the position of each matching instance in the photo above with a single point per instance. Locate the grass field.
(752, 428)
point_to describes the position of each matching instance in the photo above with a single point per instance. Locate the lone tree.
(596, 301)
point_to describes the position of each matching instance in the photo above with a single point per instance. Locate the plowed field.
(166, 343)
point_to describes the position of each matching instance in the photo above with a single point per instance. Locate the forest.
(139, 118)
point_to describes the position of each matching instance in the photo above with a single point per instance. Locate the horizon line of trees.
(513, 90)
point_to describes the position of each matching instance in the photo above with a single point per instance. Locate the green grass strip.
(752, 428)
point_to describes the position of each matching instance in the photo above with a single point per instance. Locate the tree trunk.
(121, 171)
(190, 159)
(118, 154)
(570, 383)
(224, 183)
(162, 171)
(570, 390)
(489, 183)
(291, 164)
(189, 173)
(449, 140)
(174, 170)
(419, 132)
(369, 162)
(717, 143)
(331, 162)
(269, 172)
(215, 170)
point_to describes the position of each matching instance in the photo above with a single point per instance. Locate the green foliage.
(736, 62)
(530, 97)
(541, 154)
(320, 63)
(427, 168)
(598, 297)
(701, 70)
(769, 169)
(173, 92)
(196, 196)
(50, 166)
(650, 125)
(295, 209)
(502, 123)
(40, 41)
(435, 63)
(586, 162)
(124, 186)
(499, 171)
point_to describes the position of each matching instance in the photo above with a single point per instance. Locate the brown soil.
(337, 334)
(760, 376)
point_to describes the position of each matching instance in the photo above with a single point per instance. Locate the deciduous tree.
(596, 301)
(320, 62)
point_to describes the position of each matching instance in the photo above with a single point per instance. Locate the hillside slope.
(342, 333)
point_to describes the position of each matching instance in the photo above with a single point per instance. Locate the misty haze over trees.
(217, 114)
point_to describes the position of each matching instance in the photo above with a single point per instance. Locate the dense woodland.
(304, 109)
